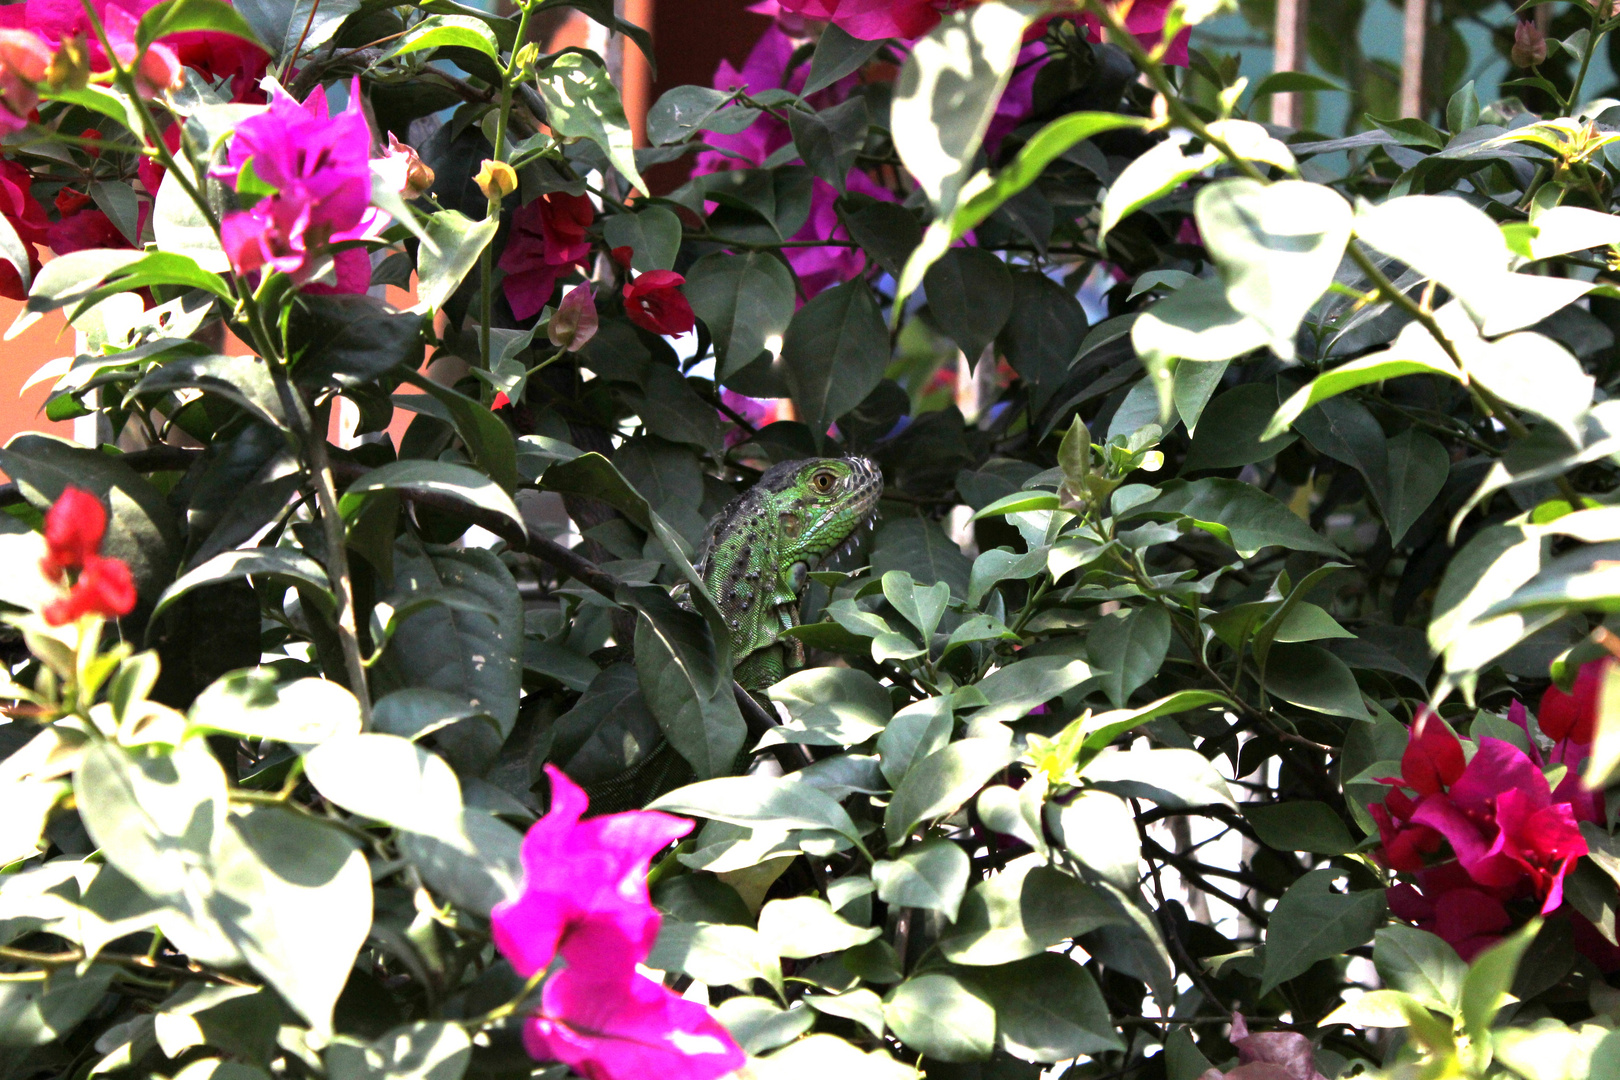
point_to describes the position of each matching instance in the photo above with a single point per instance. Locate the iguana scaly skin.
(759, 549)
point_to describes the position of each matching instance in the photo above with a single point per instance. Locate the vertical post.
(1286, 109)
(1416, 32)
(635, 74)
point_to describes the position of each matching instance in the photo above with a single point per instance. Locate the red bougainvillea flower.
(74, 528)
(1446, 902)
(320, 169)
(27, 217)
(547, 241)
(613, 1030)
(1434, 758)
(654, 302)
(585, 898)
(1573, 717)
(1269, 1055)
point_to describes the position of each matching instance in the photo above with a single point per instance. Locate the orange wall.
(21, 358)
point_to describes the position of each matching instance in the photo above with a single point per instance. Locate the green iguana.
(755, 559)
(758, 551)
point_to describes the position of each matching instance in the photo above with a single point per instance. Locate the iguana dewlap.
(759, 550)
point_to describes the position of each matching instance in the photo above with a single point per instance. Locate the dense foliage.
(1222, 694)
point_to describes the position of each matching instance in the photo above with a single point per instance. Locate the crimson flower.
(27, 217)
(74, 528)
(1573, 717)
(319, 170)
(547, 241)
(654, 302)
(585, 899)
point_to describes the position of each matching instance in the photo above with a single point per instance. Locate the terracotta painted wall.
(18, 360)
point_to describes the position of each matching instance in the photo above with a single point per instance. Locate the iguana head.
(760, 547)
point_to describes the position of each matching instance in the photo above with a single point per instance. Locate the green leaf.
(1043, 334)
(759, 1024)
(941, 782)
(1413, 353)
(921, 607)
(1536, 374)
(681, 680)
(1019, 502)
(348, 341)
(298, 896)
(282, 24)
(1099, 830)
(1169, 164)
(1418, 468)
(438, 31)
(1278, 246)
(287, 567)
(177, 16)
(1016, 689)
(40, 1013)
(1048, 1009)
(683, 111)
(459, 241)
(1490, 977)
(920, 548)
(653, 235)
(180, 228)
(804, 926)
(140, 528)
(837, 54)
(582, 102)
(1127, 648)
(1023, 911)
(481, 867)
(1236, 419)
(244, 381)
(1420, 964)
(1313, 678)
(947, 93)
(425, 1050)
(916, 731)
(716, 953)
(835, 706)
(1293, 82)
(1196, 322)
(932, 875)
(860, 1005)
(745, 300)
(486, 437)
(467, 649)
(1242, 516)
(834, 353)
(438, 478)
(828, 1055)
(942, 1017)
(1174, 778)
(760, 800)
(391, 780)
(1312, 922)
(255, 704)
(970, 295)
(829, 140)
(1489, 569)
(15, 253)
(1303, 825)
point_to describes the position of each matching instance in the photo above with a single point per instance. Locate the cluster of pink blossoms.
(1486, 839)
(319, 169)
(585, 900)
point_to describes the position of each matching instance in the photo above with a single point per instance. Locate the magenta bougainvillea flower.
(319, 169)
(547, 241)
(615, 1029)
(585, 899)
(1478, 831)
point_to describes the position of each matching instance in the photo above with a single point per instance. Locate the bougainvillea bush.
(1226, 689)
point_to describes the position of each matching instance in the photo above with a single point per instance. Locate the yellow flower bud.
(496, 179)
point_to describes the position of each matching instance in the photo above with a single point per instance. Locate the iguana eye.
(822, 483)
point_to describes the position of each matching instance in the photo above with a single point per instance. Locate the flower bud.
(24, 60)
(496, 179)
(574, 322)
(416, 178)
(1529, 45)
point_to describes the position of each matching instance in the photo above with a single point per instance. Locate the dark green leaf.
(970, 295)
(745, 300)
(1048, 1009)
(834, 353)
(1312, 922)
